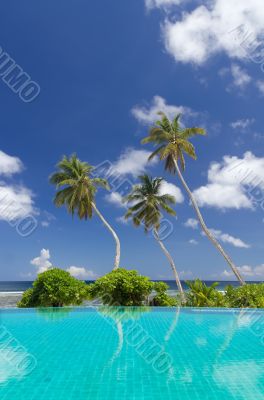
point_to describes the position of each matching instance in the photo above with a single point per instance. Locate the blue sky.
(104, 69)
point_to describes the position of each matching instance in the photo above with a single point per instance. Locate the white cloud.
(149, 114)
(122, 220)
(193, 241)
(161, 3)
(240, 77)
(254, 273)
(45, 224)
(81, 273)
(226, 238)
(170, 188)
(191, 223)
(186, 274)
(9, 165)
(115, 198)
(229, 181)
(260, 86)
(47, 219)
(42, 261)
(133, 162)
(242, 124)
(15, 202)
(223, 237)
(217, 26)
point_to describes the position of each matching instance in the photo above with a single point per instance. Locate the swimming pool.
(138, 353)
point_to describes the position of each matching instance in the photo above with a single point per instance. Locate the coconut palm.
(77, 193)
(146, 206)
(173, 143)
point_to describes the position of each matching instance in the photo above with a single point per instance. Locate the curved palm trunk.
(206, 230)
(117, 256)
(169, 257)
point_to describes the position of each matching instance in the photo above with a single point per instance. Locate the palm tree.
(147, 203)
(173, 142)
(78, 192)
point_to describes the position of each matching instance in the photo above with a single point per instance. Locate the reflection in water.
(54, 314)
(236, 377)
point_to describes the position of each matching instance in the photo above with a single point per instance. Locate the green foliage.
(55, 288)
(201, 295)
(148, 203)
(77, 187)
(28, 299)
(250, 295)
(121, 287)
(172, 141)
(162, 299)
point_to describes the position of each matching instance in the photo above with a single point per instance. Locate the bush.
(54, 288)
(201, 295)
(250, 295)
(121, 288)
(162, 299)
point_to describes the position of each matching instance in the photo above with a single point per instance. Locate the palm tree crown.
(78, 186)
(147, 203)
(173, 141)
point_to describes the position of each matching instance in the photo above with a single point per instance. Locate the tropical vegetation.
(250, 295)
(77, 184)
(122, 287)
(54, 288)
(77, 192)
(201, 295)
(172, 141)
(146, 206)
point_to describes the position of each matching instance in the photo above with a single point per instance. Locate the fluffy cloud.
(122, 220)
(9, 165)
(81, 273)
(217, 26)
(242, 124)
(42, 261)
(149, 114)
(115, 198)
(133, 162)
(240, 76)
(170, 188)
(260, 86)
(193, 241)
(191, 223)
(162, 3)
(214, 28)
(226, 238)
(223, 237)
(232, 183)
(249, 272)
(16, 201)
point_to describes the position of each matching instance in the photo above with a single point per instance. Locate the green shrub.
(162, 299)
(54, 288)
(201, 295)
(121, 288)
(250, 295)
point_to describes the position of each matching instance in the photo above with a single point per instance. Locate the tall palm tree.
(173, 143)
(78, 192)
(146, 207)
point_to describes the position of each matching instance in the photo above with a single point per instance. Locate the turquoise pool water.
(131, 354)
